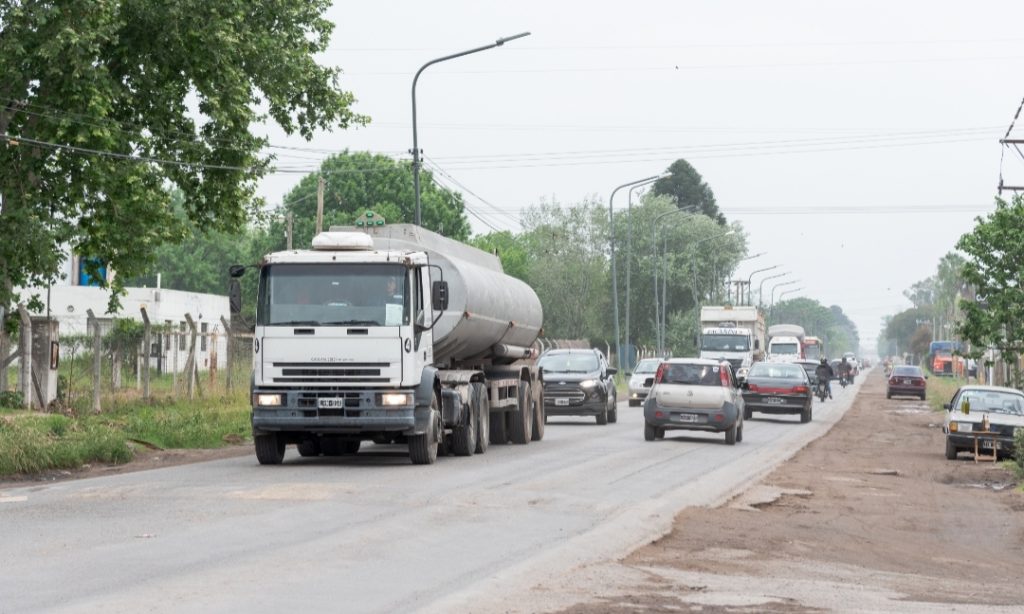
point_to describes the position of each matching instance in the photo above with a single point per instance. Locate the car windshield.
(725, 343)
(992, 401)
(908, 372)
(582, 362)
(692, 375)
(784, 348)
(773, 370)
(332, 294)
(647, 366)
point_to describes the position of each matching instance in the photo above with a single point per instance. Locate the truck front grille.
(298, 373)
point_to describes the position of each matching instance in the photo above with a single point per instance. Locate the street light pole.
(785, 292)
(693, 265)
(615, 281)
(415, 139)
(750, 299)
(654, 244)
(739, 284)
(629, 254)
(760, 289)
(771, 306)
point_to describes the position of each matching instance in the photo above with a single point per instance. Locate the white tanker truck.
(393, 334)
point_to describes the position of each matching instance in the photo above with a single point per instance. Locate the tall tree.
(105, 103)
(688, 188)
(995, 251)
(357, 181)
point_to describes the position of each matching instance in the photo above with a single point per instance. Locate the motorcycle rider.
(845, 369)
(825, 373)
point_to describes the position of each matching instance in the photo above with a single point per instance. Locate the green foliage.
(179, 82)
(995, 251)
(203, 425)
(1018, 452)
(901, 329)
(10, 399)
(835, 329)
(509, 248)
(686, 186)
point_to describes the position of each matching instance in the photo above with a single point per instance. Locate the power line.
(478, 216)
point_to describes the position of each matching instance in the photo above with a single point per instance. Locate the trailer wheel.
(464, 435)
(482, 405)
(522, 421)
(499, 430)
(309, 447)
(540, 418)
(269, 448)
(423, 448)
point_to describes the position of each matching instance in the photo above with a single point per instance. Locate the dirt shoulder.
(871, 517)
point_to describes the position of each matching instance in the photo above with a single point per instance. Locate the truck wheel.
(350, 446)
(649, 432)
(269, 448)
(483, 416)
(423, 448)
(335, 446)
(730, 435)
(464, 435)
(540, 418)
(951, 450)
(309, 447)
(602, 418)
(499, 430)
(522, 422)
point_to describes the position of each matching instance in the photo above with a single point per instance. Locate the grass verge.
(940, 390)
(32, 442)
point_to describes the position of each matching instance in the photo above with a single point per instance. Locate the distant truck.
(940, 356)
(392, 334)
(786, 343)
(814, 348)
(732, 333)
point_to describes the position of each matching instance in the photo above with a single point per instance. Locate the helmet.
(824, 360)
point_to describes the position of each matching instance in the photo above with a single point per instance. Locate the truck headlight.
(588, 383)
(269, 400)
(395, 399)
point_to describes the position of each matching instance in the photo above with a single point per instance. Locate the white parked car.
(641, 380)
(1004, 409)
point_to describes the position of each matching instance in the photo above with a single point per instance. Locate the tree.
(688, 188)
(510, 249)
(102, 107)
(995, 251)
(836, 331)
(357, 181)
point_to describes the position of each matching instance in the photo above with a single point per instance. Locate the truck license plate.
(330, 403)
(687, 417)
(775, 400)
(561, 402)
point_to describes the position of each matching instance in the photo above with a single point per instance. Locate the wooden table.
(979, 435)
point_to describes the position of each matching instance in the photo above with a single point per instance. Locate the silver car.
(641, 380)
(694, 394)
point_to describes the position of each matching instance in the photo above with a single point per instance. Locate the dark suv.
(579, 383)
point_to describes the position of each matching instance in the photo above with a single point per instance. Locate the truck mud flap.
(451, 407)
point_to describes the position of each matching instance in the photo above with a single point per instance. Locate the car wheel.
(613, 415)
(659, 433)
(888, 395)
(730, 435)
(748, 413)
(649, 432)
(805, 415)
(922, 397)
(951, 450)
(602, 418)
(739, 432)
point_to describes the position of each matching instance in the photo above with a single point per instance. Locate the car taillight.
(752, 388)
(893, 380)
(660, 373)
(724, 377)
(799, 389)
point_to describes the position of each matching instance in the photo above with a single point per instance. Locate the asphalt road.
(371, 533)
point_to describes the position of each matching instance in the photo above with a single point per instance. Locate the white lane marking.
(13, 499)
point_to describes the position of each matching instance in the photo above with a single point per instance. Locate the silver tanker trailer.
(393, 334)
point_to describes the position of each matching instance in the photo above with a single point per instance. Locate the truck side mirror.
(236, 270)
(235, 295)
(439, 295)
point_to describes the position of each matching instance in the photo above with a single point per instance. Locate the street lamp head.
(505, 39)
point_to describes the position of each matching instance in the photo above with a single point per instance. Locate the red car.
(906, 380)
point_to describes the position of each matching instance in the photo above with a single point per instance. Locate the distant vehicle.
(697, 395)
(641, 380)
(835, 368)
(854, 363)
(777, 388)
(940, 356)
(906, 380)
(578, 383)
(814, 348)
(1003, 408)
(732, 333)
(785, 343)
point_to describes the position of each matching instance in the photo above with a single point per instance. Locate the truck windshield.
(812, 352)
(725, 343)
(333, 294)
(783, 348)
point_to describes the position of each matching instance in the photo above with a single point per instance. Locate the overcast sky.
(855, 141)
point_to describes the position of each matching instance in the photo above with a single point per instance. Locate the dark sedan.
(777, 388)
(906, 381)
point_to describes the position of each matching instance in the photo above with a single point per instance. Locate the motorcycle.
(844, 380)
(822, 391)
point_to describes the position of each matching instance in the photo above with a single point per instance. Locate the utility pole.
(320, 204)
(290, 219)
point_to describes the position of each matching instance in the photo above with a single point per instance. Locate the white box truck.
(786, 342)
(732, 333)
(392, 334)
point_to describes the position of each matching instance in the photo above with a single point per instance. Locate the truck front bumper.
(348, 412)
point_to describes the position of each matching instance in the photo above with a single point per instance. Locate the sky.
(855, 141)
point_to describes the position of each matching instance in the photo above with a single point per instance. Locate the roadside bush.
(11, 400)
(1018, 452)
(31, 444)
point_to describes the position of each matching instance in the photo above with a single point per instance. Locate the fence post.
(25, 347)
(229, 354)
(191, 365)
(4, 349)
(96, 364)
(146, 351)
(213, 358)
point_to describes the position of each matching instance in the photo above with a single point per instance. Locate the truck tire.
(464, 435)
(540, 418)
(309, 447)
(423, 448)
(269, 448)
(335, 446)
(483, 417)
(499, 430)
(521, 422)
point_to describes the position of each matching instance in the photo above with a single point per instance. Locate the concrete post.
(147, 343)
(25, 351)
(230, 354)
(96, 364)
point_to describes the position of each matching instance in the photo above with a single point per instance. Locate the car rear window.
(908, 372)
(692, 375)
(776, 370)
